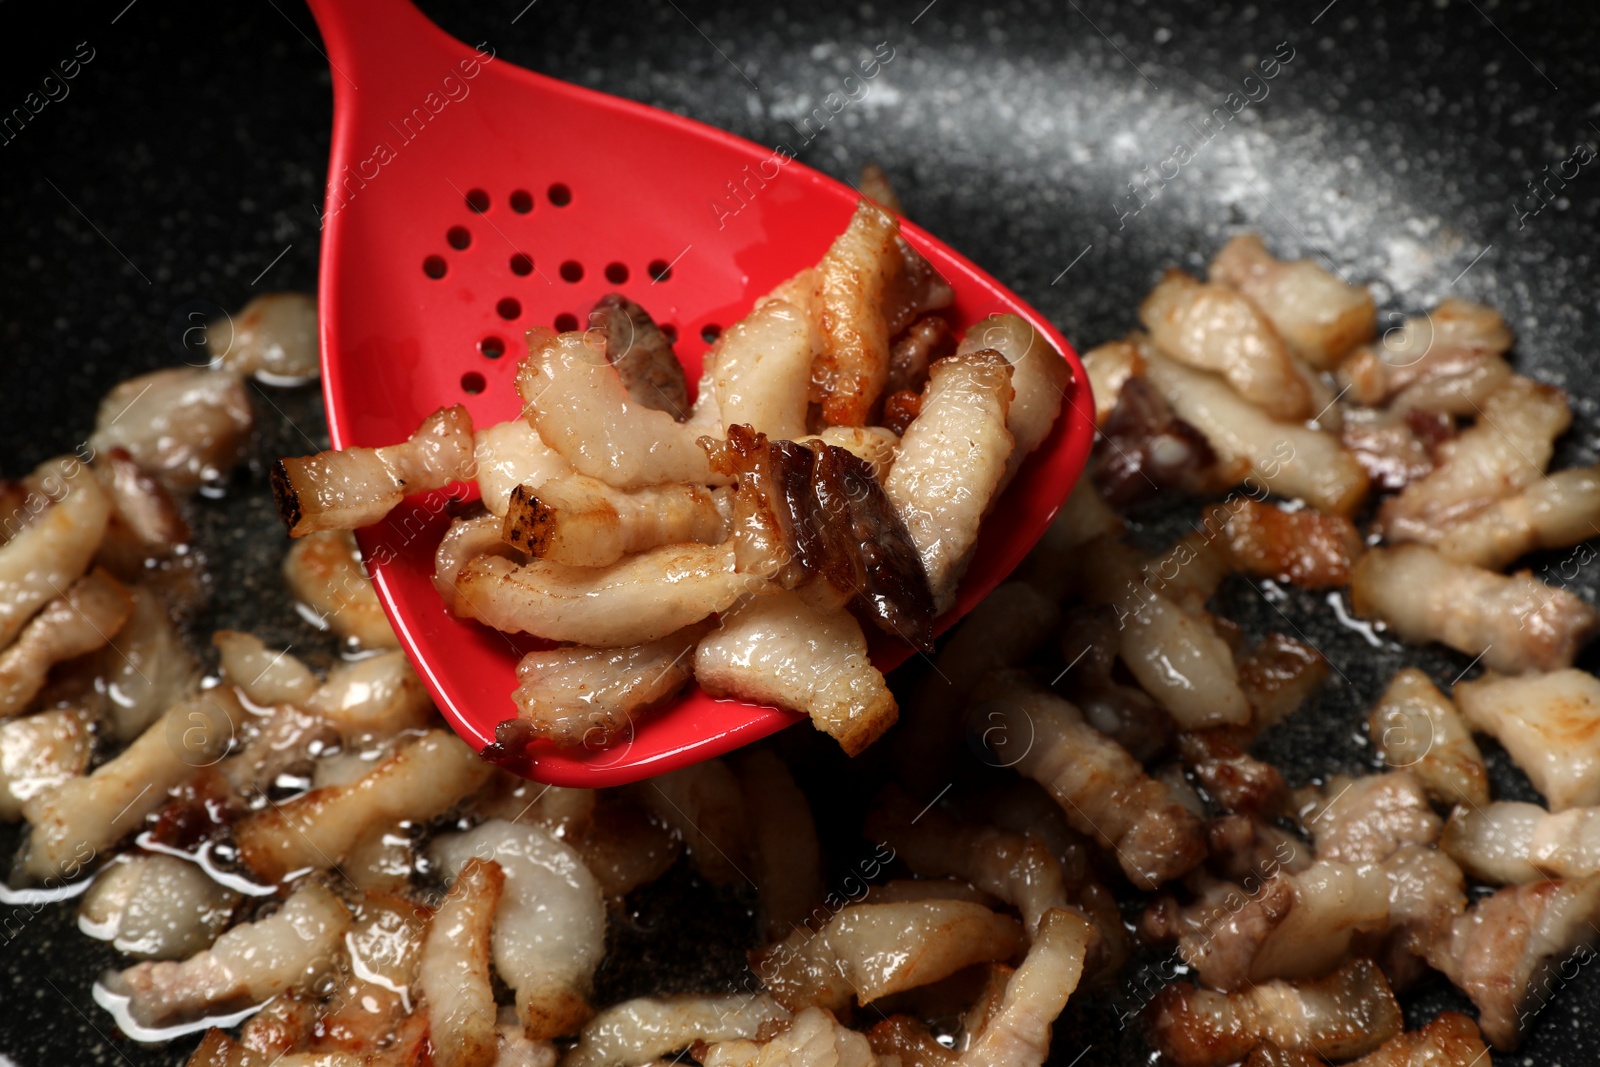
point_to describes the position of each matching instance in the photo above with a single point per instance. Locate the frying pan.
(179, 170)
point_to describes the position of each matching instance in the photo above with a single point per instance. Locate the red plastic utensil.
(468, 200)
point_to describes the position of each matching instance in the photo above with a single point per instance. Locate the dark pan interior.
(179, 173)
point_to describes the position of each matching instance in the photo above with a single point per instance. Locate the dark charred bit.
(900, 408)
(1148, 449)
(894, 589)
(925, 341)
(840, 562)
(1236, 780)
(643, 356)
(763, 533)
(528, 522)
(286, 497)
(792, 467)
(509, 749)
(1433, 428)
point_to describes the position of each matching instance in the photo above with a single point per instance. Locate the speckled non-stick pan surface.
(176, 173)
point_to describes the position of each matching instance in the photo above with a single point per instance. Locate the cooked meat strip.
(1110, 367)
(263, 676)
(346, 489)
(1286, 924)
(864, 531)
(325, 573)
(874, 445)
(1213, 328)
(762, 371)
(289, 950)
(1515, 623)
(1368, 819)
(156, 907)
(453, 972)
(1040, 379)
(582, 410)
(54, 549)
(1017, 1033)
(273, 337)
(1557, 511)
(582, 521)
(1102, 790)
(146, 524)
(952, 459)
(96, 811)
(850, 306)
(1301, 546)
(868, 951)
(466, 540)
(1448, 359)
(509, 454)
(1502, 951)
(1321, 316)
(85, 617)
(814, 1039)
(185, 425)
(1147, 450)
(1177, 655)
(777, 650)
(1549, 723)
(644, 1028)
(1493, 842)
(1278, 674)
(1290, 459)
(39, 753)
(1416, 728)
(1124, 713)
(1347, 1014)
(1016, 868)
(592, 697)
(1236, 780)
(1387, 446)
(374, 698)
(549, 927)
(1503, 453)
(1449, 1040)
(643, 356)
(318, 829)
(1520, 843)
(634, 601)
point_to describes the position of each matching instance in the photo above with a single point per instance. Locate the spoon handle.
(381, 50)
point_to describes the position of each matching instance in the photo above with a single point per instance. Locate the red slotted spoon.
(468, 200)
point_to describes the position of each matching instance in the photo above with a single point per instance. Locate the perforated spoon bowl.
(469, 200)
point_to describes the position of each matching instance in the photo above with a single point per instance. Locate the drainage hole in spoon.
(521, 201)
(660, 270)
(616, 273)
(560, 195)
(572, 271)
(492, 347)
(566, 323)
(710, 332)
(671, 332)
(434, 267)
(521, 264)
(472, 383)
(459, 237)
(478, 200)
(508, 308)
